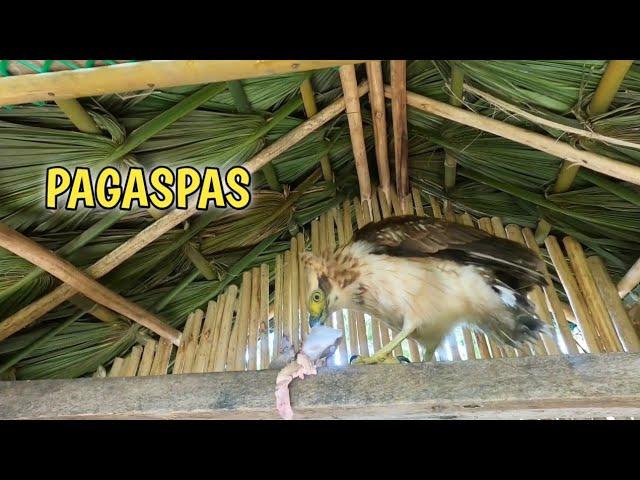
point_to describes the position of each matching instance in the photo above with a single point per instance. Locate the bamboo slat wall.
(241, 329)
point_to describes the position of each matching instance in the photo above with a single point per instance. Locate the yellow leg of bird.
(383, 355)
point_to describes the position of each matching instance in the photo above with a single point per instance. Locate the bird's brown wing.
(413, 236)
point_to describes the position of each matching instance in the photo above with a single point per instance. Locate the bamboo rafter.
(154, 74)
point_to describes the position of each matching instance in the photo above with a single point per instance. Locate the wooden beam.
(378, 113)
(590, 160)
(35, 253)
(400, 131)
(32, 312)
(154, 74)
(354, 116)
(560, 386)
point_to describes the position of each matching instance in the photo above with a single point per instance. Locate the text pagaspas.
(161, 188)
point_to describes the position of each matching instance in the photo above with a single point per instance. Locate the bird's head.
(330, 281)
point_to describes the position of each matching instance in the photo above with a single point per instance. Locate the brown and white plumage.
(425, 276)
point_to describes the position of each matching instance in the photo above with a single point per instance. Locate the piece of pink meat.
(320, 343)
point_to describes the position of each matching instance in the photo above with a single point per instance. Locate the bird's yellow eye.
(317, 296)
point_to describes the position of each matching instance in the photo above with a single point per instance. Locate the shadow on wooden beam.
(581, 386)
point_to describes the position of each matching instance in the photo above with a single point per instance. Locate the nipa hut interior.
(545, 153)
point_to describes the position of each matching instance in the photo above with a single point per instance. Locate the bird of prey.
(423, 277)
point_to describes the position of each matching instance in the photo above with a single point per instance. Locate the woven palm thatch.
(189, 265)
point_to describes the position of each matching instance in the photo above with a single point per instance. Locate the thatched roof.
(181, 270)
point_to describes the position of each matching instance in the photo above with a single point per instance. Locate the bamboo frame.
(354, 117)
(29, 314)
(222, 342)
(65, 271)
(618, 314)
(263, 332)
(254, 320)
(400, 129)
(378, 113)
(590, 160)
(552, 298)
(577, 301)
(589, 289)
(205, 343)
(154, 74)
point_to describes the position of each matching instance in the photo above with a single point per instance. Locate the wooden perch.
(560, 386)
(26, 248)
(153, 74)
(29, 314)
(590, 160)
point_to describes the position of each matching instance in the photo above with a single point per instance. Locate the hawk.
(423, 277)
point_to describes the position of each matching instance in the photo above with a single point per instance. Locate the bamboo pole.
(178, 363)
(544, 345)
(608, 86)
(78, 116)
(310, 108)
(562, 326)
(254, 320)
(400, 131)
(154, 74)
(163, 355)
(455, 99)
(436, 211)
(417, 201)
(192, 342)
(590, 291)
(65, 271)
(578, 305)
(239, 351)
(147, 358)
(302, 288)
(278, 302)
(301, 131)
(552, 146)
(378, 113)
(337, 219)
(264, 316)
(286, 299)
(351, 338)
(619, 317)
(130, 366)
(172, 219)
(221, 302)
(116, 367)
(204, 343)
(630, 280)
(293, 294)
(354, 117)
(222, 343)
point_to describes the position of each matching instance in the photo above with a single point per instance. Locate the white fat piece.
(319, 340)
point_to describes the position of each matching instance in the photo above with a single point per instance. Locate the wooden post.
(630, 280)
